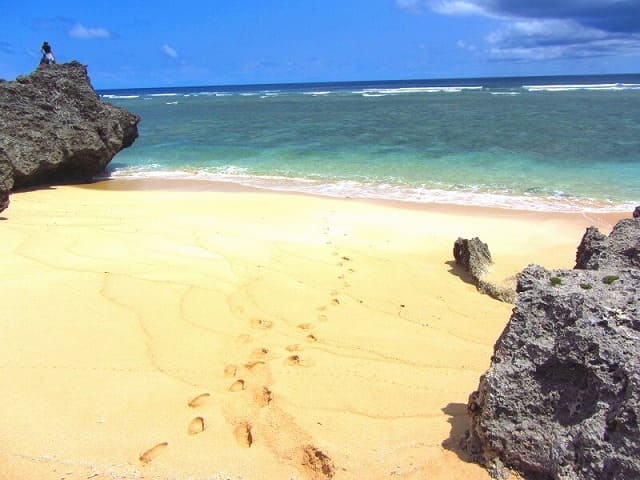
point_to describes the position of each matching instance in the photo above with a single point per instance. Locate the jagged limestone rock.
(56, 129)
(561, 399)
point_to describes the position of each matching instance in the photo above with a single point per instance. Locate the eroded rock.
(56, 129)
(561, 399)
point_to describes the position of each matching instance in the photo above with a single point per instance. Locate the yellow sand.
(186, 333)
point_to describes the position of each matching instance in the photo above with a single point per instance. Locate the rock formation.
(474, 256)
(55, 128)
(5, 176)
(561, 399)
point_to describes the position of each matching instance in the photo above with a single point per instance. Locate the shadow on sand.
(457, 271)
(459, 422)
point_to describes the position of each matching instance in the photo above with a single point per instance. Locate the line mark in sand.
(243, 435)
(237, 386)
(199, 400)
(196, 426)
(305, 326)
(153, 452)
(293, 348)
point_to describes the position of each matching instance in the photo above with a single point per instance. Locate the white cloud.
(456, 7)
(169, 51)
(81, 31)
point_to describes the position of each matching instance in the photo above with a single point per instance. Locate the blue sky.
(167, 43)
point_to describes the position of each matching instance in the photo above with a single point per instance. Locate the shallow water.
(535, 143)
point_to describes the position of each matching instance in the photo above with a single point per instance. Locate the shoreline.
(605, 219)
(401, 195)
(175, 331)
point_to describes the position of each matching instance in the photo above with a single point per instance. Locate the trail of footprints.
(261, 396)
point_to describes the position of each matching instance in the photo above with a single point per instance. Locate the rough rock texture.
(55, 128)
(561, 399)
(474, 256)
(620, 249)
(5, 176)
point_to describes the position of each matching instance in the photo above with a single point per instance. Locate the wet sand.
(189, 330)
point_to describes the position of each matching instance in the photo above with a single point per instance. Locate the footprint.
(230, 371)
(263, 397)
(322, 308)
(199, 400)
(196, 426)
(243, 338)
(312, 338)
(260, 323)
(335, 301)
(260, 352)
(347, 259)
(298, 361)
(243, 435)
(317, 462)
(254, 365)
(293, 348)
(333, 293)
(293, 360)
(153, 452)
(305, 326)
(237, 386)
(322, 318)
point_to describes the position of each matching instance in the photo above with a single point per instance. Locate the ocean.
(535, 143)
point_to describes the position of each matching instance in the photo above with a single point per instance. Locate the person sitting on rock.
(47, 55)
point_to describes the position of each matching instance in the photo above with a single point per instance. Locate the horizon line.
(339, 82)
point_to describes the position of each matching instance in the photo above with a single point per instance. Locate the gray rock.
(56, 128)
(472, 255)
(5, 181)
(561, 399)
(621, 249)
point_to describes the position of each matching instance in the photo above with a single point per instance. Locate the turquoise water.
(541, 143)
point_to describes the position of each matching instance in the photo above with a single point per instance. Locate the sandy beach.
(191, 330)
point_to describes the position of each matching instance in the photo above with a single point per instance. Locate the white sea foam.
(505, 93)
(120, 97)
(172, 103)
(163, 95)
(405, 90)
(566, 88)
(327, 92)
(460, 195)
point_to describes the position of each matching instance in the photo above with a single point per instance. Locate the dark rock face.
(5, 181)
(561, 399)
(56, 129)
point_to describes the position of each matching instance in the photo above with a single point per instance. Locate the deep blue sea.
(541, 143)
